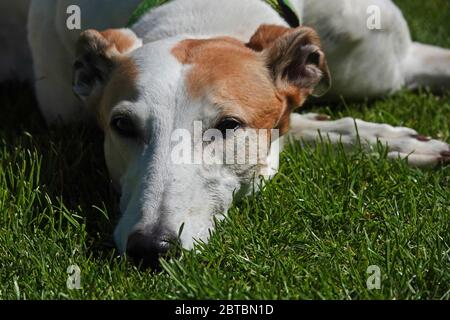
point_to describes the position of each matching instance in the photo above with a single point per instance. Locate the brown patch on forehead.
(120, 87)
(233, 77)
(187, 50)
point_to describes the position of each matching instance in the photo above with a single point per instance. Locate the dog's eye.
(228, 124)
(124, 127)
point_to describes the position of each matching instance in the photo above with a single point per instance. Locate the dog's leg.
(427, 66)
(401, 142)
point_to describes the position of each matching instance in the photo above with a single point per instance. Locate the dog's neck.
(287, 10)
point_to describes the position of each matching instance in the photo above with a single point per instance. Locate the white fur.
(234, 18)
(155, 192)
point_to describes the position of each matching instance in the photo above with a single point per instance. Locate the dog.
(233, 66)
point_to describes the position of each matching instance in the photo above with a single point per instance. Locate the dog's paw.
(403, 143)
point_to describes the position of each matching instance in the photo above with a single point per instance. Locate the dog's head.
(180, 117)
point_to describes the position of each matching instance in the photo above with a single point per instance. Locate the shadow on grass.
(72, 170)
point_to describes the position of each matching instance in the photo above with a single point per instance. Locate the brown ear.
(96, 53)
(294, 57)
(266, 35)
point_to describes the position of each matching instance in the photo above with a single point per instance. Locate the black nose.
(146, 248)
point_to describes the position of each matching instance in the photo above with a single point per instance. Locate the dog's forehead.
(157, 69)
(222, 71)
(220, 62)
(231, 76)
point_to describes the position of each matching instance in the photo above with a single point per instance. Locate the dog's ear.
(97, 52)
(294, 58)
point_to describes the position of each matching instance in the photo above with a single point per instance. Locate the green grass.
(311, 233)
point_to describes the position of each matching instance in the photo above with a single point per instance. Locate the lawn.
(310, 234)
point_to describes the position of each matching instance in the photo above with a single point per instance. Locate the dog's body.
(352, 48)
(166, 75)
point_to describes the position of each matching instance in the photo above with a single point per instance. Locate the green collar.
(287, 11)
(283, 7)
